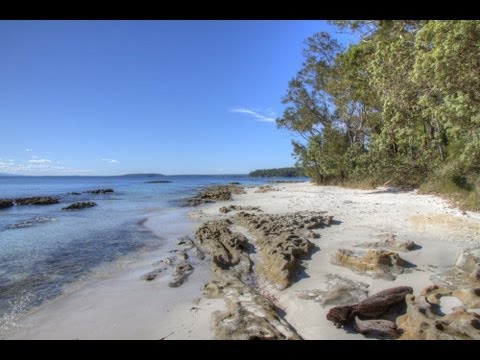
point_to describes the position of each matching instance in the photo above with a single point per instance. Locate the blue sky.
(173, 97)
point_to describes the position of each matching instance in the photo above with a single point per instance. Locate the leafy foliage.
(402, 105)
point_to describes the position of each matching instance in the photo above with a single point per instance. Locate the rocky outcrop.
(249, 315)
(31, 222)
(80, 205)
(158, 182)
(376, 263)
(339, 291)
(227, 209)
(6, 203)
(188, 244)
(424, 319)
(389, 242)
(38, 200)
(181, 273)
(74, 193)
(213, 194)
(227, 249)
(99, 191)
(376, 307)
(281, 241)
(234, 183)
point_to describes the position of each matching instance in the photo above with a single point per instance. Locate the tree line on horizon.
(278, 172)
(399, 106)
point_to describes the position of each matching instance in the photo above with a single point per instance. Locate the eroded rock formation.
(214, 193)
(227, 209)
(281, 240)
(248, 316)
(376, 263)
(424, 319)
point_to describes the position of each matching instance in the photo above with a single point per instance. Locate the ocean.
(44, 250)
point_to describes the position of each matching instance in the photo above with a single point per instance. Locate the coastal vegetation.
(401, 105)
(279, 172)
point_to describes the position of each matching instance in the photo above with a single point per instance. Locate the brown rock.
(376, 263)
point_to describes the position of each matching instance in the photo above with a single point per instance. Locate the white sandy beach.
(122, 306)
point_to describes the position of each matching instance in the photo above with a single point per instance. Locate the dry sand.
(361, 216)
(124, 307)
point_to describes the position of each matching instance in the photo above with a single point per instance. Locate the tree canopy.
(402, 105)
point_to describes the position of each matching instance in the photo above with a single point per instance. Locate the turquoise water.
(42, 248)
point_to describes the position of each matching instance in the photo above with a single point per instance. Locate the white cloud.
(28, 150)
(221, 170)
(111, 161)
(39, 168)
(40, 161)
(265, 116)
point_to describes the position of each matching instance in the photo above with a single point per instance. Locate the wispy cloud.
(265, 116)
(28, 150)
(111, 161)
(38, 168)
(39, 161)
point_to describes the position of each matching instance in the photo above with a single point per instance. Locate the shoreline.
(126, 307)
(119, 305)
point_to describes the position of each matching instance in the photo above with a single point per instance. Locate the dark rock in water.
(32, 222)
(99, 191)
(6, 203)
(80, 205)
(234, 183)
(74, 193)
(39, 200)
(158, 182)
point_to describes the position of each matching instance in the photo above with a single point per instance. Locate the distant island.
(143, 175)
(279, 172)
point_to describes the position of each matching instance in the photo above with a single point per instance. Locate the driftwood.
(371, 308)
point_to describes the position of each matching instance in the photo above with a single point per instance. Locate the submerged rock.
(80, 205)
(158, 182)
(376, 263)
(99, 191)
(31, 222)
(249, 315)
(38, 200)
(6, 203)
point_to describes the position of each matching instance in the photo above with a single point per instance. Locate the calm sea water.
(52, 248)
